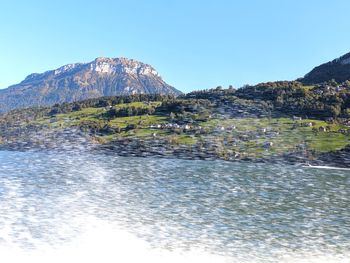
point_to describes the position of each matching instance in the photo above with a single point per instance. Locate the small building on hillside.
(268, 145)
(322, 129)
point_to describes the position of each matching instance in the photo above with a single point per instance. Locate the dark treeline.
(321, 101)
(210, 94)
(34, 113)
(107, 101)
(330, 99)
(128, 111)
(183, 105)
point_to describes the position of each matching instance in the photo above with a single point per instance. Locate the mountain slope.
(73, 82)
(338, 69)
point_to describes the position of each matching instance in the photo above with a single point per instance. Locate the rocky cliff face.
(73, 82)
(338, 69)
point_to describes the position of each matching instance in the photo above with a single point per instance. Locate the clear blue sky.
(194, 44)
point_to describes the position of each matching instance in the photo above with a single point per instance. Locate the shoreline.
(131, 148)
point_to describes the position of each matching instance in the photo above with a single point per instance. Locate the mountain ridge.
(77, 81)
(337, 69)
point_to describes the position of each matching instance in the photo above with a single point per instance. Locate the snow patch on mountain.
(66, 68)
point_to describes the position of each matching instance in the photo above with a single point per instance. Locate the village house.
(231, 128)
(346, 122)
(318, 91)
(343, 131)
(322, 129)
(272, 134)
(219, 129)
(307, 124)
(340, 88)
(268, 145)
(301, 146)
(329, 120)
(170, 126)
(244, 137)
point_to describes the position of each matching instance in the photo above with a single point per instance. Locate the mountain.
(74, 82)
(338, 69)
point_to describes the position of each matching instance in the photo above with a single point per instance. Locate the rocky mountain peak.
(121, 65)
(66, 68)
(78, 81)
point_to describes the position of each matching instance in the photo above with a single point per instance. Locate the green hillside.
(250, 123)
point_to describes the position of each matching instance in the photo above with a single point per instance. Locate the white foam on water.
(326, 167)
(105, 242)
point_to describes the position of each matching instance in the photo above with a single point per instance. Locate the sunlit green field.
(244, 135)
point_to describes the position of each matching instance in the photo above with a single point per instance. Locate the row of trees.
(107, 101)
(294, 99)
(128, 111)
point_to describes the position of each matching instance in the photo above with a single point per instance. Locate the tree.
(103, 103)
(347, 112)
(182, 109)
(112, 113)
(130, 111)
(76, 107)
(334, 110)
(150, 110)
(347, 83)
(332, 83)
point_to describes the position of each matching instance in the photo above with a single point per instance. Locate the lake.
(73, 206)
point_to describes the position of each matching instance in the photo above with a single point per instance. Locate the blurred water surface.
(241, 212)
